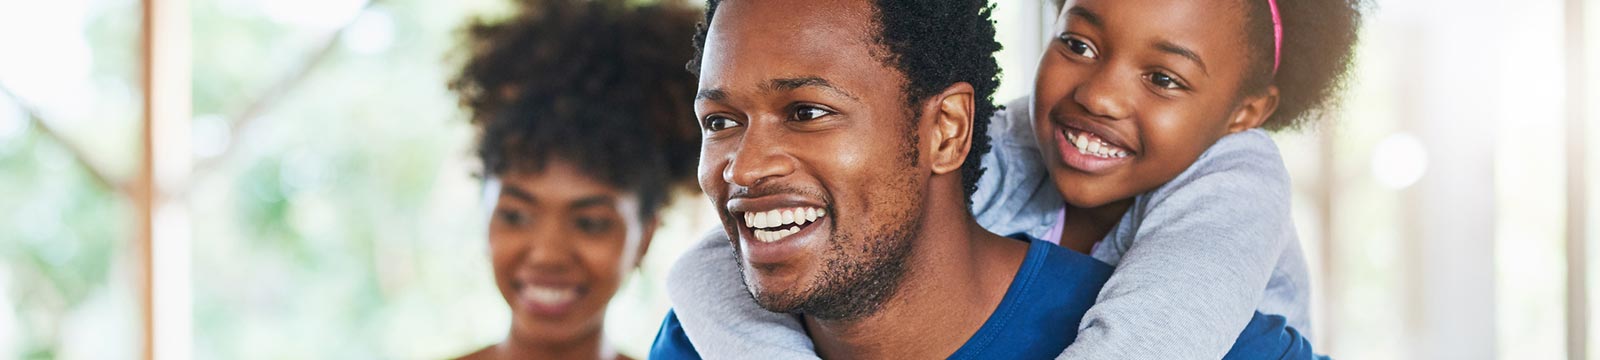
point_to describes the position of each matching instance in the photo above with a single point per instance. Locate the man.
(841, 140)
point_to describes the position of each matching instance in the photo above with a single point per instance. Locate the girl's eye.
(1165, 81)
(1077, 46)
(806, 113)
(719, 123)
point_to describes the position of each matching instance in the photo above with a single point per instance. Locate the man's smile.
(777, 228)
(775, 225)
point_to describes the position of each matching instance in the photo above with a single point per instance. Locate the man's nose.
(762, 153)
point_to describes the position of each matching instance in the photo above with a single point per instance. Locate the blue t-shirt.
(1037, 318)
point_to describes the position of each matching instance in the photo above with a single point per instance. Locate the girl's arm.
(1197, 255)
(717, 313)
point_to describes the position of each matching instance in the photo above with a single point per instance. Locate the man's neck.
(955, 278)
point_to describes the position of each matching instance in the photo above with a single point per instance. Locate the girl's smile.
(1089, 147)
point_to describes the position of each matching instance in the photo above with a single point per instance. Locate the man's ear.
(1254, 111)
(952, 127)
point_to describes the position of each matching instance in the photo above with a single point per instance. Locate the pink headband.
(1277, 36)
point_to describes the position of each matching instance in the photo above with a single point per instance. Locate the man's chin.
(778, 302)
(773, 294)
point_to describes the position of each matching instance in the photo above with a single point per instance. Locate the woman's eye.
(512, 217)
(1079, 47)
(1165, 81)
(719, 123)
(593, 225)
(805, 113)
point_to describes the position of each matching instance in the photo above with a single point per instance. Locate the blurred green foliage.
(343, 220)
(63, 272)
(342, 225)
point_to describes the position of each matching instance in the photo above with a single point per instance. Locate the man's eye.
(805, 113)
(719, 123)
(1165, 81)
(1077, 46)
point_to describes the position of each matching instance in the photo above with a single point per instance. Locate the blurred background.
(291, 179)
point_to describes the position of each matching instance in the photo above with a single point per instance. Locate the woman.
(584, 125)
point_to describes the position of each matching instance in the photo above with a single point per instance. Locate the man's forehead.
(772, 46)
(854, 14)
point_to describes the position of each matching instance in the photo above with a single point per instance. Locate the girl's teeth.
(1089, 144)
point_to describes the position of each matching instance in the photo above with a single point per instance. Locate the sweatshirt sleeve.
(1015, 195)
(1202, 250)
(719, 316)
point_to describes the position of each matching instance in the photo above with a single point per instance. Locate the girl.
(1147, 120)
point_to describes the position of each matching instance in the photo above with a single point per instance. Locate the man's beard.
(849, 287)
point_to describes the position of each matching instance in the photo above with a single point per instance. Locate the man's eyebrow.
(790, 84)
(1087, 15)
(1171, 48)
(711, 94)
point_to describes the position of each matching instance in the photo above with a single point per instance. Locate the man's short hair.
(934, 44)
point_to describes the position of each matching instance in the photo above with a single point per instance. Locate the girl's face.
(561, 243)
(1131, 92)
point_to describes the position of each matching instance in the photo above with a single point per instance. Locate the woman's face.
(1131, 92)
(561, 242)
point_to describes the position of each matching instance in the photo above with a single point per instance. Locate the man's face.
(810, 154)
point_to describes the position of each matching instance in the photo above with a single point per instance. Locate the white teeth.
(549, 296)
(790, 220)
(775, 235)
(1088, 144)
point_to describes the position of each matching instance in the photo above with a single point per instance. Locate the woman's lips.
(548, 300)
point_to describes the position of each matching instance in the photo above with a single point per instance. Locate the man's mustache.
(760, 190)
